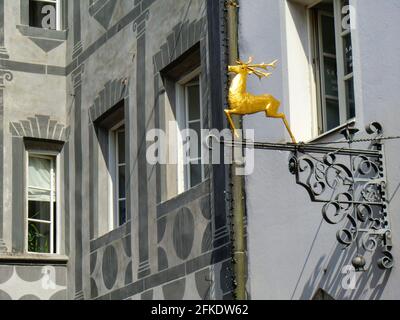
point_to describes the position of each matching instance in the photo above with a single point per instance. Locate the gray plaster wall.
(34, 106)
(292, 252)
(110, 52)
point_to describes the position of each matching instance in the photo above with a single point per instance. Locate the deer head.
(249, 68)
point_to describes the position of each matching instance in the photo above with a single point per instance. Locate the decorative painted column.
(78, 158)
(77, 29)
(78, 161)
(3, 51)
(216, 59)
(144, 266)
(4, 75)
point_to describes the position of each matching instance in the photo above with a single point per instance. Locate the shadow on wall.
(334, 272)
(332, 278)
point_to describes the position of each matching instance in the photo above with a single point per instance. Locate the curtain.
(39, 183)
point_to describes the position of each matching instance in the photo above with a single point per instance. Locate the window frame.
(118, 166)
(316, 41)
(321, 59)
(55, 229)
(340, 35)
(182, 117)
(58, 6)
(113, 177)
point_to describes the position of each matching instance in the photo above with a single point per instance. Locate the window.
(190, 117)
(180, 109)
(117, 176)
(109, 150)
(333, 62)
(42, 204)
(45, 14)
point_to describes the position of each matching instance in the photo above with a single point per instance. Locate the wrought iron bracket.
(351, 186)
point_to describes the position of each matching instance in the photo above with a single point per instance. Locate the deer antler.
(240, 62)
(259, 74)
(264, 66)
(252, 67)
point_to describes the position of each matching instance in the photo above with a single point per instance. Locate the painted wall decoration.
(168, 254)
(33, 282)
(111, 267)
(102, 11)
(40, 127)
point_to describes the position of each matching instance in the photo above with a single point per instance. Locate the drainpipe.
(238, 196)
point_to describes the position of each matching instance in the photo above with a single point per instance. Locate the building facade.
(95, 203)
(337, 69)
(83, 214)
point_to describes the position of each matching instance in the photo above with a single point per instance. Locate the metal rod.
(302, 148)
(351, 202)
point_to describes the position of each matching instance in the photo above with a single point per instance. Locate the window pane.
(39, 183)
(328, 34)
(39, 210)
(195, 174)
(121, 146)
(38, 237)
(332, 114)
(331, 78)
(121, 184)
(194, 102)
(42, 14)
(122, 212)
(351, 107)
(39, 173)
(195, 141)
(348, 54)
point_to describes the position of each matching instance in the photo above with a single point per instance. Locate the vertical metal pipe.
(238, 198)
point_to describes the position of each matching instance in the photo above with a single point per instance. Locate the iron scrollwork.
(352, 191)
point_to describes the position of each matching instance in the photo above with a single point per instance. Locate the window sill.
(29, 31)
(183, 199)
(46, 39)
(333, 131)
(33, 258)
(113, 235)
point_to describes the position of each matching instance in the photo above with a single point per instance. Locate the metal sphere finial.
(359, 263)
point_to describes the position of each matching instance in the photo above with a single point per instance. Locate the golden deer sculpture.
(243, 103)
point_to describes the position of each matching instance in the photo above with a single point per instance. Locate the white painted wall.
(292, 252)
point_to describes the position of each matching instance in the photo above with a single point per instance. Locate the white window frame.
(55, 161)
(182, 117)
(58, 11)
(113, 177)
(321, 57)
(319, 65)
(342, 77)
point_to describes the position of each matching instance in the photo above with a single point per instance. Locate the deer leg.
(283, 117)
(288, 129)
(228, 115)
